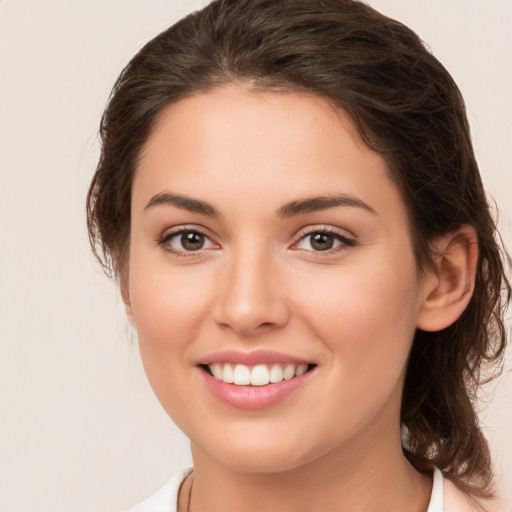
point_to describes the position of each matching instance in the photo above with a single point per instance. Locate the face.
(269, 246)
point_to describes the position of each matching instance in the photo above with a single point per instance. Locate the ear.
(448, 288)
(125, 295)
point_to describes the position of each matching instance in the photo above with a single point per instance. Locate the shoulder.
(164, 500)
(457, 501)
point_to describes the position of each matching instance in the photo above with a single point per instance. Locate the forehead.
(232, 142)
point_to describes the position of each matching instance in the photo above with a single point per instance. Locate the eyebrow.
(314, 204)
(291, 209)
(184, 202)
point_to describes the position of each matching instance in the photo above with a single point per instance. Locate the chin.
(258, 462)
(263, 453)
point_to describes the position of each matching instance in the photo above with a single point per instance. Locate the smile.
(256, 379)
(256, 375)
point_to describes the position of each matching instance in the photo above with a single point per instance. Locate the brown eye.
(192, 241)
(322, 241)
(185, 242)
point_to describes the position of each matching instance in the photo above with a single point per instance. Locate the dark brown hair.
(405, 106)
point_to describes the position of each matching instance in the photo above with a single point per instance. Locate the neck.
(370, 475)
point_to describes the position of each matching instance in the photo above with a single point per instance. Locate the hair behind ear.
(458, 347)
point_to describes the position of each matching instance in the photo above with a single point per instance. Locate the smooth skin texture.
(256, 279)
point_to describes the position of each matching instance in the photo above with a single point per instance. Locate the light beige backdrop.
(80, 431)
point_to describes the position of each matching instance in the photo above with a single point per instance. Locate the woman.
(289, 198)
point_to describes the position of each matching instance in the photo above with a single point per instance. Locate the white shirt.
(166, 499)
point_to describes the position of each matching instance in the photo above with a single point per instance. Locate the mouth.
(258, 375)
(255, 379)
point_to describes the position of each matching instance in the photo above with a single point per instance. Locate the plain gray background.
(80, 429)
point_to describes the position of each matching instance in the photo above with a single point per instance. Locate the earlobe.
(127, 305)
(448, 289)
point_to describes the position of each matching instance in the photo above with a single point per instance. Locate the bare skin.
(229, 168)
(337, 482)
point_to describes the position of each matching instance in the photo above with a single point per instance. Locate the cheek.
(366, 322)
(168, 311)
(366, 317)
(167, 308)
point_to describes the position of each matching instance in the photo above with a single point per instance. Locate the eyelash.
(345, 241)
(164, 242)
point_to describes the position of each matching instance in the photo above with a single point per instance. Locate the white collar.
(165, 500)
(436, 498)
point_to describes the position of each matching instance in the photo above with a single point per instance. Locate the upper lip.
(251, 358)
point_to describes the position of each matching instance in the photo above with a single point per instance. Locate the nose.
(251, 298)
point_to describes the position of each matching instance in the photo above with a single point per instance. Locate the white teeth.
(242, 375)
(216, 369)
(227, 374)
(301, 369)
(258, 375)
(289, 372)
(276, 373)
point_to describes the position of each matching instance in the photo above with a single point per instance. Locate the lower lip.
(253, 397)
